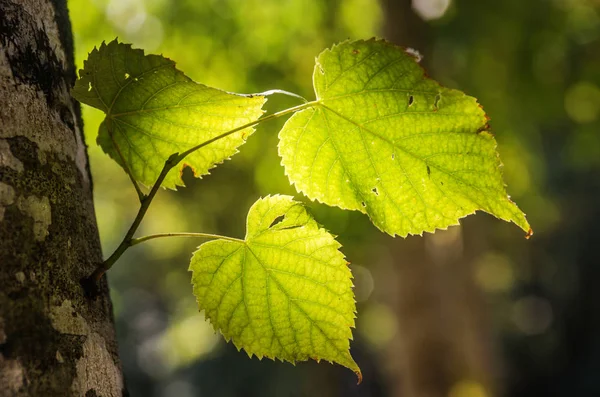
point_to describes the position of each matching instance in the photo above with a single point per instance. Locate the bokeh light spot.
(378, 324)
(582, 102)
(494, 273)
(532, 315)
(467, 388)
(361, 18)
(363, 282)
(431, 9)
(179, 388)
(444, 246)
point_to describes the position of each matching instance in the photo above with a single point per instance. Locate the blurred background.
(474, 311)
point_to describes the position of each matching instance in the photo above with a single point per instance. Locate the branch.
(90, 283)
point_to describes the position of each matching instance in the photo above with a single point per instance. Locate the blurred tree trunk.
(53, 340)
(444, 346)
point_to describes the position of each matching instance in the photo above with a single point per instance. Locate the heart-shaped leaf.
(284, 292)
(386, 140)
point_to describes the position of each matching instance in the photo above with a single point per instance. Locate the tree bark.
(54, 341)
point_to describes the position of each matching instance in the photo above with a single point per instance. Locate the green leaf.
(386, 140)
(285, 292)
(153, 110)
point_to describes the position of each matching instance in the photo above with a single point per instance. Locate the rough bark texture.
(53, 340)
(444, 344)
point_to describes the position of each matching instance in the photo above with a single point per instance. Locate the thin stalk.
(278, 91)
(145, 201)
(145, 204)
(261, 120)
(139, 240)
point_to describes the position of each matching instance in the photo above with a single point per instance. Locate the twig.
(145, 200)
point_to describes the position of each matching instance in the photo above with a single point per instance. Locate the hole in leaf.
(374, 190)
(277, 220)
(89, 87)
(428, 171)
(393, 156)
(363, 204)
(411, 100)
(126, 76)
(188, 166)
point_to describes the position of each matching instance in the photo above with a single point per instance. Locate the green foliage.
(153, 110)
(284, 292)
(380, 138)
(386, 140)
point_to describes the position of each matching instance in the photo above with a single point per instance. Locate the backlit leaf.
(284, 292)
(153, 110)
(386, 140)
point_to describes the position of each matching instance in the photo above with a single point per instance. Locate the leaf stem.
(171, 162)
(146, 200)
(278, 91)
(139, 240)
(253, 123)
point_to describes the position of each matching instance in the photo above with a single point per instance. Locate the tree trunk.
(54, 341)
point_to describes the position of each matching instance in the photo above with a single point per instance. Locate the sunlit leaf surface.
(153, 110)
(386, 140)
(285, 292)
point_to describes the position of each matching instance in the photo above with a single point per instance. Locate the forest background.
(473, 306)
